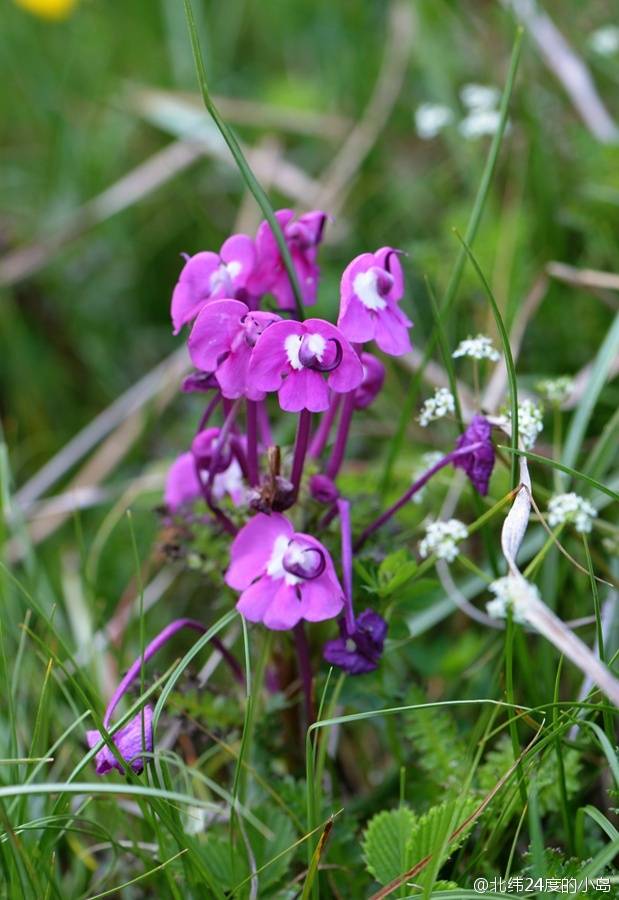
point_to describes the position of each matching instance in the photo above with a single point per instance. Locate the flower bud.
(373, 379)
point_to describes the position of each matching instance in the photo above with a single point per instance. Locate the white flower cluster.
(427, 461)
(605, 41)
(572, 509)
(431, 118)
(511, 592)
(482, 116)
(479, 347)
(530, 423)
(555, 390)
(436, 407)
(442, 539)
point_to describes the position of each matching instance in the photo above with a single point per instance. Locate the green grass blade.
(545, 460)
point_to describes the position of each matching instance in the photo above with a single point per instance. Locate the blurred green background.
(91, 316)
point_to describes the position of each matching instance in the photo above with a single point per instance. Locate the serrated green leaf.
(430, 836)
(384, 843)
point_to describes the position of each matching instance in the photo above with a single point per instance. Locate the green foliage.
(385, 843)
(438, 747)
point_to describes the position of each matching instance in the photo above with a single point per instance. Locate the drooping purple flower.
(479, 463)
(323, 489)
(221, 341)
(284, 576)
(302, 237)
(371, 286)
(132, 740)
(292, 357)
(359, 652)
(183, 488)
(212, 276)
(373, 379)
(199, 383)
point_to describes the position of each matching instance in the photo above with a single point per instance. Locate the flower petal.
(252, 548)
(218, 323)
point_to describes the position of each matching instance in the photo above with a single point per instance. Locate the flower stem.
(300, 449)
(344, 510)
(263, 424)
(305, 671)
(252, 443)
(324, 429)
(206, 415)
(416, 486)
(339, 449)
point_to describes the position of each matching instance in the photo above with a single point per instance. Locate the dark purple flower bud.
(373, 379)
(359, 652)
(478, 464)
(320, 355)
(303, 561)
(322, 489)
(199, 382)
(128, 741)
(203, 448)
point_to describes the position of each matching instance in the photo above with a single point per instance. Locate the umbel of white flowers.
(573, 510)
(479, 347)
(436, 407)
(442, 539)
(511, 593)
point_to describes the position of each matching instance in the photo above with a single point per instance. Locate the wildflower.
(436, 407)
(571, 509)
(431, 118)
(511, 592)
(371, 286)
(292, 357)
(555, 390)
(358, 652)
(442, 539)
(605, 40)
(478, 464)
(480, 96)
(323, 489)
(303, 235)
(221, 341)
(284, 576)
(184, 485)
(480, 123)
(48, 9)
(212, 276)
(530, 423)
(373, 380)
(128, 741)
(479, 347)
(428, 460)
(199, 383)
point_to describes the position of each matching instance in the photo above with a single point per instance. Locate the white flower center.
(366, 289)
(315, 344)
(233, 268)
(275, 565)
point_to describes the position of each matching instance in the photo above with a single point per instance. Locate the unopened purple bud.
(135, 738)
(203, 449)
(373, 380)
(199, 382)
(479, 463)
(304, 561)
(323, 489)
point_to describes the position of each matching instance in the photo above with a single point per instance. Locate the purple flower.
(323, 489)
(128, 741)
(199, 383)
(478, 464)
(291, 358)
(284, 576)
(221, 341)
(302, 237)
(372, 285)
(211, 276)
(373, 379)
(182, 487)
(359, 652)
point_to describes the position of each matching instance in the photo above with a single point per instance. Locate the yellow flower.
(48, 9)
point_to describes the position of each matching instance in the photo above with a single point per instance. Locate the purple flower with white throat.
(285, 576)
(187, 478)
(479, 463)
(302, 235)
(212, 276)
(358, 652)
(292, 358)
(222, 340)
(372, 285)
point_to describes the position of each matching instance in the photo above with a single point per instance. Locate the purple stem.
(263, 424)
(210, 408)
(416, 486)
(252, 443)
(305, 670)
(221, 440)
(339, 448)
(344, 510)
(300, 449)
(155, 645)
(324, 429)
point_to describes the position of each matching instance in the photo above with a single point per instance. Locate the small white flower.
(442, 539)
(511, 592)
(479, 96)
(480, 123)
(479, 347)
(436, 407)
(431, 118)
(427, 461)
(605, 41)
(530, 423)
(555, 390)
(571, 509)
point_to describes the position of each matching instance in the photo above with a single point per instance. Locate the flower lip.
(295, 561)
(311, 359)
(253, 328)
(204, 446)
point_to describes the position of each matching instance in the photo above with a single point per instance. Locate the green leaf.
(394, 571)
(434, 735)
(385, 843)
(430, 836)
